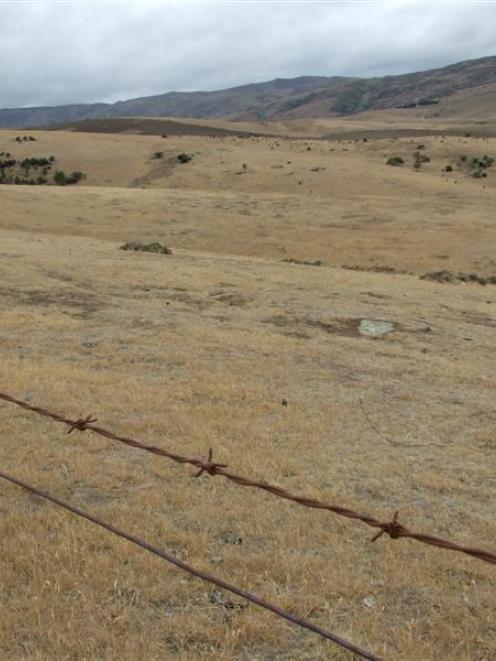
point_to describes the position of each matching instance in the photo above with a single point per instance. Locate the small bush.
(147, 247)
(158, 154)
(184, 158)
(448, 168)
(395, 160)
(62, 179)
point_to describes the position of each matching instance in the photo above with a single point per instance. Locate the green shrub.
(184, 158)
(61, 179)
(395, 160)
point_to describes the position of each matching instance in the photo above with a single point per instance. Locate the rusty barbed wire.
(393, 528)
(165, 555)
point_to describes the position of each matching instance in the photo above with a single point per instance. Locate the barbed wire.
(393, 528)
(165, 555)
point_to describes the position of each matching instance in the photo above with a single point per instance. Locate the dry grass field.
(198, 349)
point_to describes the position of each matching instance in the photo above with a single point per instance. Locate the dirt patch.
(81, 304)
(231, 298)
(162, 168)
(346, 327)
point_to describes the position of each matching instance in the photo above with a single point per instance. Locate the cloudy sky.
(63, 52)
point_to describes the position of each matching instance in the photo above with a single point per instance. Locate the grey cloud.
(54, 53)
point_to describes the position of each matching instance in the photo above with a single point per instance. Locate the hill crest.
(287, 98)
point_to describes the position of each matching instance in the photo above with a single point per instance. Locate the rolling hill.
(449, 92)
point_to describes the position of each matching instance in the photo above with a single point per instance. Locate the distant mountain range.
(295, 98)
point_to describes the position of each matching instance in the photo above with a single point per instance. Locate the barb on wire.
(210, 466)
(82, 424)
(165, 555)
(393, 528)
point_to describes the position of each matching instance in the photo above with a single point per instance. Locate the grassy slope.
(198, 350)
(355, 210)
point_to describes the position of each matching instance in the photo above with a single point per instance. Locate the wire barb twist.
(81, 424)
(209, 466)
(393, 528)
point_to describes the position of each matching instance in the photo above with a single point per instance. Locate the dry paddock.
(198, 350)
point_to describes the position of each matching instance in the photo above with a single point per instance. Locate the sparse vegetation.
(147, 247)
(395, 161)
(30, 171)
(478, 166)
(317, 262)
(184, 158)
(449, 276)
(419, 158)
(63, 179)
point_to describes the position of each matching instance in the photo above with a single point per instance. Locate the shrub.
(61, 179)
(448, 168)
(184, 158)
(35, 162)
(147, 247)
(74, 177)
(395, 160)
(158, 154)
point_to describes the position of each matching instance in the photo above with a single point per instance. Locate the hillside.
(303, 97)
(290, 330)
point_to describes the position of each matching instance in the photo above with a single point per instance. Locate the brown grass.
(197, 350)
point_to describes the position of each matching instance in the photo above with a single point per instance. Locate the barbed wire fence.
(393, 528)
(165, 555)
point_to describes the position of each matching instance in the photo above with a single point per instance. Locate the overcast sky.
(71, 52)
